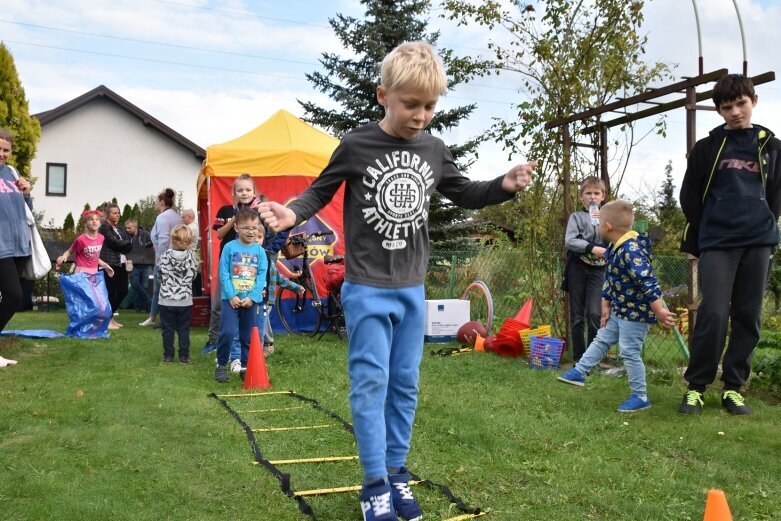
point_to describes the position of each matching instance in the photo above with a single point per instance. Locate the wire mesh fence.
(514, 275)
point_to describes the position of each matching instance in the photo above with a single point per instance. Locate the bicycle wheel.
(335, 316)
(298, 313)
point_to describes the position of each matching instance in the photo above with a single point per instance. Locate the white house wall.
(109, 153)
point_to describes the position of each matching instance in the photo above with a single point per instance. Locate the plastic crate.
(545, 352)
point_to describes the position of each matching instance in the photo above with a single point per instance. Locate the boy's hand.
(247, 302)
(109, 270)
(664, 316)
(518, 177)
(301, 290)
(605, 313)
(235, 302)
(599, 252)
(276, 216)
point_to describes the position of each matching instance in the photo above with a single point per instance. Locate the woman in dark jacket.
(116, 245)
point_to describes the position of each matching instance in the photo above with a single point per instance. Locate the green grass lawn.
(104, 430)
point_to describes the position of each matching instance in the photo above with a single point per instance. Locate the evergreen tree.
(127, 211)
(87, 207)
(68, 225)
(15, 114)
(352, 83)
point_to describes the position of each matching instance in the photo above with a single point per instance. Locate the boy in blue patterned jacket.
(631, 303)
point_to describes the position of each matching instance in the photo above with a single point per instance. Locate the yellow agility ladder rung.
(306, 427)
(338, 490)
(466, 516)
(310, 460)
(273, 410)
(247, 395)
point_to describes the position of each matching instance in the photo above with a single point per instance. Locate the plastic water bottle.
(592, 211)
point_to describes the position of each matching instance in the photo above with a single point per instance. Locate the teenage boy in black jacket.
(731, 196)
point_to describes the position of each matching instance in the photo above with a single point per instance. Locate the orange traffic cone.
(479, 343)
(525, 314)
(256, 376)
(716, 507)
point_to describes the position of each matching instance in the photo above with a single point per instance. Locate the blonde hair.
(181, 237)
(414, 65)
(619, 213)
(244, 177)
(592, 181)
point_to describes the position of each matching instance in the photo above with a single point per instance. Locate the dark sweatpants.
(176, 319)
(585, 304)
(116, 286)
(732, 284)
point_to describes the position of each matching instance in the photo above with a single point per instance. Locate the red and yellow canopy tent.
(283, 155)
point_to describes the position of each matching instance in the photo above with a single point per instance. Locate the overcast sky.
(215, 69)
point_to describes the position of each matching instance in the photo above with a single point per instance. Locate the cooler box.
(201, 311)
(443, 318)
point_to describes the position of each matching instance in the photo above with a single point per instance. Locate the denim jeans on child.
(240, 320)
(385, 330)
(630, 337)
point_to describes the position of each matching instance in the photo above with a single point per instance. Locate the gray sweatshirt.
(386, 203)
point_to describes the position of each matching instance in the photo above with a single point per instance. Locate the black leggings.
(116, 286)
(10, 288)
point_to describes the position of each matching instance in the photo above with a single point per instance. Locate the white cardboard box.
(443, 318)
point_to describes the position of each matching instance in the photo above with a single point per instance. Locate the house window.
(56, 178)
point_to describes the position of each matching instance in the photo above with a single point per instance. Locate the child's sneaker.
(634, 404)
(221, 374)
(574, 377)
(733, 401)
(403, 501)
(268, 349)
(168, 359)
(236, 366)
(691, 403)
(208, 348)
(376, 503)
(185, 359)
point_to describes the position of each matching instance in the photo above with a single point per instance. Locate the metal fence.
(514, 275)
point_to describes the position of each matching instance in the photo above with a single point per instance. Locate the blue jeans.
(241, 321)
(155, 293)
(630, 337)
(139, 278)
(385, 348)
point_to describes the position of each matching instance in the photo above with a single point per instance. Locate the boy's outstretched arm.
(276, 216)
(518, 177)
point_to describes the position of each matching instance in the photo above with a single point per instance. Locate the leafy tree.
(572, 57)
(15, 114)
(352, 83)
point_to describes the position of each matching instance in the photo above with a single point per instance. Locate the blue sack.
(86, 300)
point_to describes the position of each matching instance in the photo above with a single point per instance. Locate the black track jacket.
(743, 217)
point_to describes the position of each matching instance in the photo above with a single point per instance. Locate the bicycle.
(304, 314)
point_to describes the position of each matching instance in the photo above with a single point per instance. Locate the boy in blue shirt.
(243, 267)
(391, 169)
(631, 303)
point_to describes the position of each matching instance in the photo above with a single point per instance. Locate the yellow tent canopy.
(283, 145)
